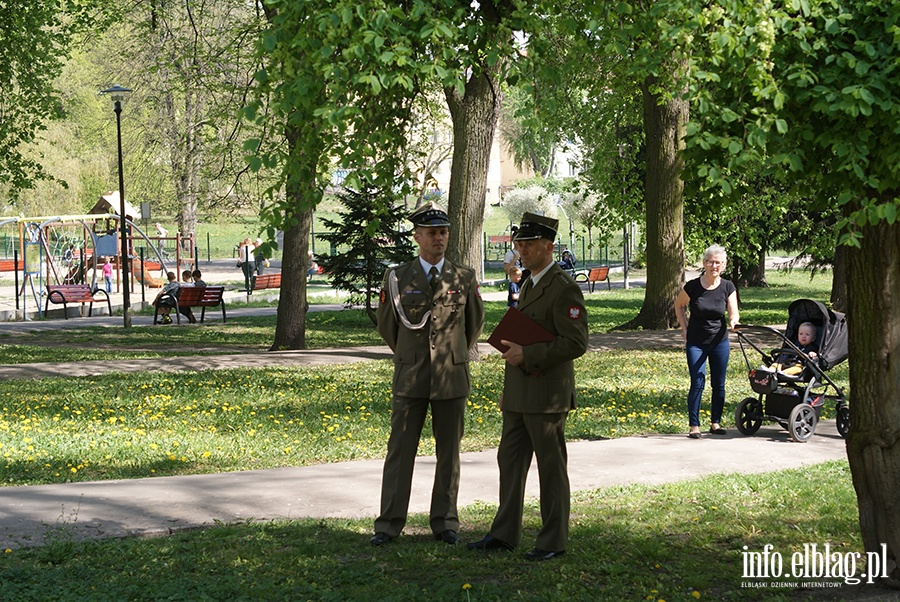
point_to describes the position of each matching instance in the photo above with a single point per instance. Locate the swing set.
(70, 249)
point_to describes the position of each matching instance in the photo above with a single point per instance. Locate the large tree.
(813, 88)
(35, 40)
(336, 90)
(612, 66)
(483, 53)
(196, 68)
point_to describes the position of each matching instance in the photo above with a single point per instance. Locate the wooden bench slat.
(74, 293)
(196, 296)
(599, 275)
(267, 281)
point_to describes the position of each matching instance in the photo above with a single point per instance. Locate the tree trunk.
(302, 195)
(184, 151)
(290, 327)
(758, 274)
(474, 116)
(839, 279)
(873, 446)
(664, 124)
(746, 274)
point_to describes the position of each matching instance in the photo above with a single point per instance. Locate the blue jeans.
(697, 355)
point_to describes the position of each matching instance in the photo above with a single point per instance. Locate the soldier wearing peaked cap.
(538, 392)
(430, 315)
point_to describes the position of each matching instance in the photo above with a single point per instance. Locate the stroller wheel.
(748, 415)
(802, 423)
(843, 421)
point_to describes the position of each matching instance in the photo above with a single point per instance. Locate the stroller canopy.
(831, 330)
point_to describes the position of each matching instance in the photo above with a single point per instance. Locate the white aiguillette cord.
(398, 308)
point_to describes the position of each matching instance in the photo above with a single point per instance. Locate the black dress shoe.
(488, 542)
(449, 536)
(379, 539)
(718, 431)
(540, 555)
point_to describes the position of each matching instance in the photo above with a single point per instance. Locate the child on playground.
(515, 276)
(107, 275)
(806, 342)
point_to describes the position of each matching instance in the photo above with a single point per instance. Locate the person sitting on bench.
(165, 299)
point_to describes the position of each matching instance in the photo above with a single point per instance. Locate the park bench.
(195, 296)
(593, 276)
(74, 293)
(265, 281)
(8, 265)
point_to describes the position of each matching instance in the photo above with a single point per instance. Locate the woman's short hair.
(714, 251)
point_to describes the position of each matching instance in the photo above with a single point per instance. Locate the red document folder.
(518, 328)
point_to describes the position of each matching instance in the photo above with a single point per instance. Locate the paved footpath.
(162, 505)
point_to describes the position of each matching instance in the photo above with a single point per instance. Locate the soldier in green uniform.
(430, 315)
(538, 392)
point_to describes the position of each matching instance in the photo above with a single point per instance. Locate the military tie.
(527, 286)
(434, 277)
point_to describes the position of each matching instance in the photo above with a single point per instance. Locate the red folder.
(515, 326)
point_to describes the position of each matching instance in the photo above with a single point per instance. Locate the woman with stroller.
(707, 299)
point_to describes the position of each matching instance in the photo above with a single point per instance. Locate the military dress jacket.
(432, 362)
(546, 383)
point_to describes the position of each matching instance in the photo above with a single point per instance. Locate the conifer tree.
(365, 241)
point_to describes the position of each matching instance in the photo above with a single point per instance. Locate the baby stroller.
(568, 262)
(795, 401)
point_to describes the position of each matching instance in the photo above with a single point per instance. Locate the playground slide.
(149, 280)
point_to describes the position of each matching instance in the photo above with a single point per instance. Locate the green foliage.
(36, 37)
(532, 140)
(579, 89)
(191, 68)
(768, 215)
(809, 88)
(331, 71)
(367, 240)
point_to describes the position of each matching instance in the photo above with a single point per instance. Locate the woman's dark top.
(706, 324)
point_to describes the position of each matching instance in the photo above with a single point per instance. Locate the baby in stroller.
(567, 262)
(792, 385)
(792, 364)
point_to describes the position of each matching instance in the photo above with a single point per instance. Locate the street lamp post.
(117, 94)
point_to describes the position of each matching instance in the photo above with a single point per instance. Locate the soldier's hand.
(514, 354)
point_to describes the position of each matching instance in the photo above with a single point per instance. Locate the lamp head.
(116, 92)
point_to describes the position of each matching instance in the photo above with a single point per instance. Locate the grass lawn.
(138, 425)
(683, 541)
(678, 542)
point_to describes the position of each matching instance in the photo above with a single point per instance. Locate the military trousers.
(541, 436)
(407, 420)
